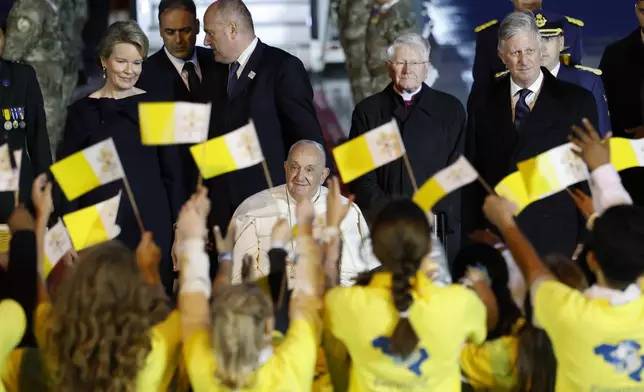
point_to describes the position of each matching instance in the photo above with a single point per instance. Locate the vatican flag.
(626, 153)
(513, 188)
(88, 169)
(552, 171)
(9, 176)
(233, 151)
(57, 243)
(446, 181)
(174, 122)
(369, 151)
(94, 224)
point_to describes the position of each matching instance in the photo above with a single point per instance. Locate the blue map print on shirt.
(413, 362)
(625, 357)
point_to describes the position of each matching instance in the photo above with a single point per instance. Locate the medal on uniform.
(7, 117)
(14, 117)
(21, 111)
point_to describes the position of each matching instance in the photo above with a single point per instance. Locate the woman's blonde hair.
(123, 32)
(102, 314)
(240, 315)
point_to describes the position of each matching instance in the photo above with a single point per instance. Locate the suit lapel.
(503, 126)
(250, 70)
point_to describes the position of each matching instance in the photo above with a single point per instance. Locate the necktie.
(522, 110)
(408, 105)
(193, 79)
(232, 77)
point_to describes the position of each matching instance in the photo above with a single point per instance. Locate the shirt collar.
(514, 88)
(616, 297)
(245, 55)
(408, 96)
(385, 7)
(555, 71)
(178, 63)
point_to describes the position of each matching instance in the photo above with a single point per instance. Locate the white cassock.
(256, 216)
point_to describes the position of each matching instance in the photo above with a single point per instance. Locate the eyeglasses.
(400, 64)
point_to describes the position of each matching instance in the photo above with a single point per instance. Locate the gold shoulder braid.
(486, 25)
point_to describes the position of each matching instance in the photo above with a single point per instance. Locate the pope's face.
(305, 171)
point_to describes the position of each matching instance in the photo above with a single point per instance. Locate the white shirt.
(555, 71)
(245, 56)
(178, 64)
(534, 89)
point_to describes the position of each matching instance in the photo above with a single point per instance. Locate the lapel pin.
(251, 74)
(5, 83)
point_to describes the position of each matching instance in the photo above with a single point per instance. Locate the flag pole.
(267, 174)
(203, 160)
(487, 186)
(130, 196)
(410, 172)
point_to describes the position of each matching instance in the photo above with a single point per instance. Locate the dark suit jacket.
(275, 92)
(164, 84)
(593, 83)
(622, 67)
(486, 59)
(433, 136)
(494, 147)
(19, 88)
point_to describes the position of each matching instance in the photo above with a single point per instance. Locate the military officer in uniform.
(46, 35)
(486, 59)
(586, 77)
(23, 127)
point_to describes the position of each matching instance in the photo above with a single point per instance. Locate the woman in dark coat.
(152, 172)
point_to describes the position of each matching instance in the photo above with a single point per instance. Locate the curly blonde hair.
(240, 314)
(102, 314)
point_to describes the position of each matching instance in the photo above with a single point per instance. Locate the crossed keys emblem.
(192, 119)
(56, 241)
(456, 174)
(389, 144)
(572, 163)
(107, 160)
(249, 145)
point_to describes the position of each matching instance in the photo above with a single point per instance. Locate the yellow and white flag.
(94, 224)
(9, 176)
(85, 170)
(174, 122)
(5, 238)
(552, 171)
(446, 181)
(626, 153)
(233, 151)
(369, 151)
(513, 188)
(57, 243)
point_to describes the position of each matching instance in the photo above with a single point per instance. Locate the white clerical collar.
(515, 88)
(556, 69)
(408, 96)
(615, 297)
(245, 56)
(385, 7)
(178, 63)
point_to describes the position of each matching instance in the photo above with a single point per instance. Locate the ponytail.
(404, 339)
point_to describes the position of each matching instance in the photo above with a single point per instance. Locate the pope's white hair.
(306, 142)
(412, 40)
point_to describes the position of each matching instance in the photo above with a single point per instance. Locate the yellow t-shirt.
(12, 328)
(160, 364)
(363, 318)
(598, 346)
(291, 368)
(492, 365)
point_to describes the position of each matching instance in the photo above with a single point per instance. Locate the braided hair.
(401, 237)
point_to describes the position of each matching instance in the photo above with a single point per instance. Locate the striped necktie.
(522, 110)
(232, 77)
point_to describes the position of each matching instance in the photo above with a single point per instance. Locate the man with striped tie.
(524, 113)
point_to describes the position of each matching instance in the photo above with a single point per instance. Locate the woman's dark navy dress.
(152, 171)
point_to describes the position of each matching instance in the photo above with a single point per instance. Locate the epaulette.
(575, 21)
(596, 71)
(486, 25)
(499, 74)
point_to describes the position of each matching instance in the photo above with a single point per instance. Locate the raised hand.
(225, 245)
(336, 208)
(41, 196)
(592, 149)
(499, 211)
(21, 219)
(583, 202)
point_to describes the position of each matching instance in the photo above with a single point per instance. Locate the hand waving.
(41, 196)
(594, 150)
(336, 208)
(499, 211)
(583, 202)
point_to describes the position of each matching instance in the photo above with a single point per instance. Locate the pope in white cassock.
(254, 219)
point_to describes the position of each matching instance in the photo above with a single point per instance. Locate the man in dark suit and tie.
(180, 71)
(523, 114)
(259, 82)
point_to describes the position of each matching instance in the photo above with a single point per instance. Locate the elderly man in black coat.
(522, 115)
(431, 123)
